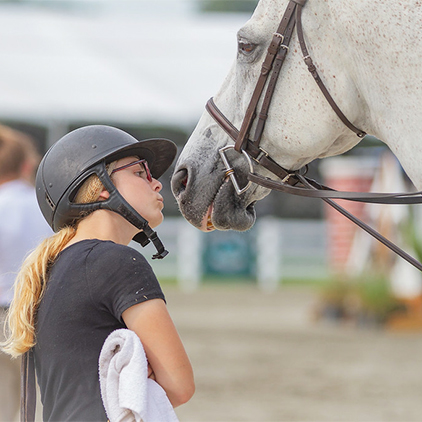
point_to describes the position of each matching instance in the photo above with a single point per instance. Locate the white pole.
(189, 256)
(268, 254)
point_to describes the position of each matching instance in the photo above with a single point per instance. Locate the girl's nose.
(156, 185)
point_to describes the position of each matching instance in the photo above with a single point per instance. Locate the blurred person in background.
(22, 227)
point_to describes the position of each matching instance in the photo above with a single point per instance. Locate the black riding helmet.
(86, 151)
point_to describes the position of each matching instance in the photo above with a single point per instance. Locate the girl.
(97, 188)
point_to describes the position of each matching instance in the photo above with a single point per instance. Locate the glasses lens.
(146, 174)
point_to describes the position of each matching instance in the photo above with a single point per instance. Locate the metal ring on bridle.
(229, 171)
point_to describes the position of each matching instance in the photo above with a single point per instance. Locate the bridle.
(294, 182)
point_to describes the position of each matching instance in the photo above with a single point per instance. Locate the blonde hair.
(31, 280)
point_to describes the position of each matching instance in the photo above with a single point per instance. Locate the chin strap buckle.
(148, 235)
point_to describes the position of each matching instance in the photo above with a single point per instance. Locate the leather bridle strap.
(293, 184)
(368, 229)
(312, 69)
(313, 189)
(278, 63)
(259, 155)
(277, 48)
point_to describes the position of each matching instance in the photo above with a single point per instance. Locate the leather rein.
(294, 182)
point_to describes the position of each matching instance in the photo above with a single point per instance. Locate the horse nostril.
(179, 181)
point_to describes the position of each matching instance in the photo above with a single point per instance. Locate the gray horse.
(368, 54)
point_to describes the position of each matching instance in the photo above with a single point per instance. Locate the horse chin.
(228, 211)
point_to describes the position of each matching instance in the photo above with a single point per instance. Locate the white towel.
(127, 392)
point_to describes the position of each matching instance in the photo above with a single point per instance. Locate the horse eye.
(246, 48)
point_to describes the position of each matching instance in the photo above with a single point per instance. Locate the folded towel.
(127, 392)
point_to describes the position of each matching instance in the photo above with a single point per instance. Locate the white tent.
(59, 66)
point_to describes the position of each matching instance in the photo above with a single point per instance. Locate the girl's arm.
(152, 323)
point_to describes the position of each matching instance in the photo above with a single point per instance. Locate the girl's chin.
(156, 221)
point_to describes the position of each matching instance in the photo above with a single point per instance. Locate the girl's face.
(139, 189)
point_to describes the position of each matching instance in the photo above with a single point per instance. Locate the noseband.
(294, 182)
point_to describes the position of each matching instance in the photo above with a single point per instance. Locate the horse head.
(301, 125)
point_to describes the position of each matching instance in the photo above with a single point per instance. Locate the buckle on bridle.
(262, 153)
(286, 179)
(229, 171)
(278, 35)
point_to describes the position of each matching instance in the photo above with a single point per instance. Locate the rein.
(292, 181)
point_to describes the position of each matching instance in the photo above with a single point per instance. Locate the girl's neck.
(104, 225)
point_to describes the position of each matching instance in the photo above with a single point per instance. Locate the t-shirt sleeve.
(119, 277)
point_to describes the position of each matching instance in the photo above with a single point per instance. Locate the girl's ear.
(105, 194)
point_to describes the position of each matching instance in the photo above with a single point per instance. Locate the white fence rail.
(272, 251)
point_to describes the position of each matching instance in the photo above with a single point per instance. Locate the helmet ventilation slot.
(50, 201)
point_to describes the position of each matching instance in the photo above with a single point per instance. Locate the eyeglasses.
(144, 166)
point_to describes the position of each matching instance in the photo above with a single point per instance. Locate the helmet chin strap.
(118, 204)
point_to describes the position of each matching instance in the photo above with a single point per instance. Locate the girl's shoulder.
(106, 246)
(110, 253)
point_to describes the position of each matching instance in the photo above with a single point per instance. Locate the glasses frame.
(141, 162)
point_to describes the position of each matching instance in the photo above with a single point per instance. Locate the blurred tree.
(243, 6)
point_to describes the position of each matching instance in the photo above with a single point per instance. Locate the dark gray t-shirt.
(90, 285)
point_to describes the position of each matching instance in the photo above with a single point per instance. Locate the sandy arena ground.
(259, 357)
